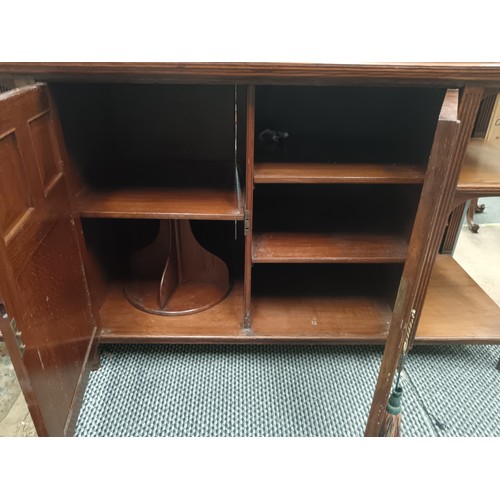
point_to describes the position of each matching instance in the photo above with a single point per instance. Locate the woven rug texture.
(279, 390)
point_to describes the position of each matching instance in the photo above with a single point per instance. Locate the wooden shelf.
(327, 309)
(163, 190)
(347, 319)
(357, 319)
(338, 173)
(480, 172)
(122, 322)
(324, 302)
(161, 203)
(320, 247)
(457, 309)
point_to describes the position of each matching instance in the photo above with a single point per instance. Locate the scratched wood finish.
(43, 284)
(438, 185)
(403, 73)
(452, 306)
(344, 319)
(338, 173)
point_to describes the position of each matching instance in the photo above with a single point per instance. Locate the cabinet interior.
(332, 207)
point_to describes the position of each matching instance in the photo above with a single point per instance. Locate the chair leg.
(470, 216)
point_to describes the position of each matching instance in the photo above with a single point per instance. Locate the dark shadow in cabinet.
(347, 124)
(113, 241)
(125, 134)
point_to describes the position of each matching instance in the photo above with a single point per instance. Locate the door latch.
(18, 336)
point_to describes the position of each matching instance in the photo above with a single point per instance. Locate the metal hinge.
(246, 227)
(18, 336)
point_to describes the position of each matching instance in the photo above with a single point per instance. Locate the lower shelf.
(351, 320)
(359, 318)
(457, 309)
(122, 322)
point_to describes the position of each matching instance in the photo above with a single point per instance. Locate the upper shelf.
(481, 169)
(338, 173)
(161, 203)
(198, 190)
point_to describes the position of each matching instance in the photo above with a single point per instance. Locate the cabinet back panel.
(347, 124)
(326, 280)
(311, 208)
(108, 127)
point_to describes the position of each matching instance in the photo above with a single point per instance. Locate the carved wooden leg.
(479, 209)
(470, 216)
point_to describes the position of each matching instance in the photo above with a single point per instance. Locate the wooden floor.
(456, 309)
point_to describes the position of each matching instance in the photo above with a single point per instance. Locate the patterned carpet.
(162, 390)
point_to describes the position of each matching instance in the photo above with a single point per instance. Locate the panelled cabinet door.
(45, 313)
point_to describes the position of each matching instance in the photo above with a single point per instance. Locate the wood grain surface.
(299, 247)
(339, 173)
(457, 309)
(161, 203)
(437, 73)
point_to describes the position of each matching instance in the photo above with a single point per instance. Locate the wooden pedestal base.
(191, 280)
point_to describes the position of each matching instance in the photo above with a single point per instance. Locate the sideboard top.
(419, 73)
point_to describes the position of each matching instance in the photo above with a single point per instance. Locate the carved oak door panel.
(45, 313)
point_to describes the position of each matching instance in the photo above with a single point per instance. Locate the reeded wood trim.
(467, 112)
(443, 73)
(453, 230)
(484, 116)
(431, 216)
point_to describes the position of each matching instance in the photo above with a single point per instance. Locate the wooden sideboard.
(243, 203)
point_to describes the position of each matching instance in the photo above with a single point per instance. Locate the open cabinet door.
(45, 311)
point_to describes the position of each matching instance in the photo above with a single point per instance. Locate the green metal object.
(394, 404)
